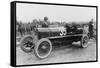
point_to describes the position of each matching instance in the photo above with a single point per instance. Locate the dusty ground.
(60, 53)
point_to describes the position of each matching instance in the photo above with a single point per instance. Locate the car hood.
(52, 29)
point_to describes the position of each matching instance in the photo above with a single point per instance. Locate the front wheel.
(28, 42)
(84, 41)
(43, 48)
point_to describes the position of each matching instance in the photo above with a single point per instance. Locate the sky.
(27, 12)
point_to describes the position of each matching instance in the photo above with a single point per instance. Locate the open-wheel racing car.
(42, 39)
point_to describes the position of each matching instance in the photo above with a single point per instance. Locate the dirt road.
(60, 53)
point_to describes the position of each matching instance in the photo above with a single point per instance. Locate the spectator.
(91, 28)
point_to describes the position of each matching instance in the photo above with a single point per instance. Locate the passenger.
(45, 22)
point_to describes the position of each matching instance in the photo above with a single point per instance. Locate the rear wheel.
(84, 41)
(43, 48)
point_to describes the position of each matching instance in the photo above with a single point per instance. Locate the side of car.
(41, 41)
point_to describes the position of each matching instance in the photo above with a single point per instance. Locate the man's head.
(45, 18)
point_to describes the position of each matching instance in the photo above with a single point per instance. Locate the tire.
(43, 48)
(28, 42)
(84, 41)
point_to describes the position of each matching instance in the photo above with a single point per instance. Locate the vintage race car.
(43, 38)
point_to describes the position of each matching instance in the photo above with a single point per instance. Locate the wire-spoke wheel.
(43, 48)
